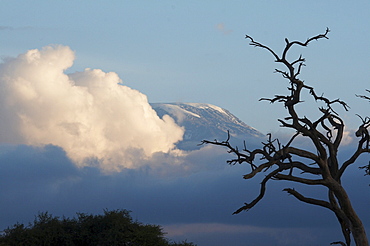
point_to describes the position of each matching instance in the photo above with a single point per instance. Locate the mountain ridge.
(205, 121)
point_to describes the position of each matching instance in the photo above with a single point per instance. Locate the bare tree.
(320, 167)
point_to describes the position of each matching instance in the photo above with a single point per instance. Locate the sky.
(79, 134)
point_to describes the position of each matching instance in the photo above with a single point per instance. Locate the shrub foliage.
(114, 227)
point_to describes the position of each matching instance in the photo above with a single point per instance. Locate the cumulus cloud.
(90, 114)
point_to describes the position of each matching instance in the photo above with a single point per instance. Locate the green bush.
(113, 228)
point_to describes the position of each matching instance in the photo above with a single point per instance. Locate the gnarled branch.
(308, 200)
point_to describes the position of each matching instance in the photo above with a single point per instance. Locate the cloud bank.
(90, 114)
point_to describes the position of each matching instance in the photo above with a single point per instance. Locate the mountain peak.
(205, 121)
(206, 106)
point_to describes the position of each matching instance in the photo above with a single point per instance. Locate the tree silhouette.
(112, 228)
(317, 167)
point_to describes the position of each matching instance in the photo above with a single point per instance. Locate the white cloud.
(348, 137)
(284, 135)
(89, 114)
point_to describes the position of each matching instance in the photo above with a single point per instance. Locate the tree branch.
(280, 176)
(364, 97)
(308, 200)
(248, 206)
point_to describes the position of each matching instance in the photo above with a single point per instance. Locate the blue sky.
(178, 51)
(195, 51)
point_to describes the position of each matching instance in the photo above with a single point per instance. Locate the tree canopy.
(113, 228)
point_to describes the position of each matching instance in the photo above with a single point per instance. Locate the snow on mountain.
(205, 121)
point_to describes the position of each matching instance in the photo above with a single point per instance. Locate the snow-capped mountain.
(205, 121)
